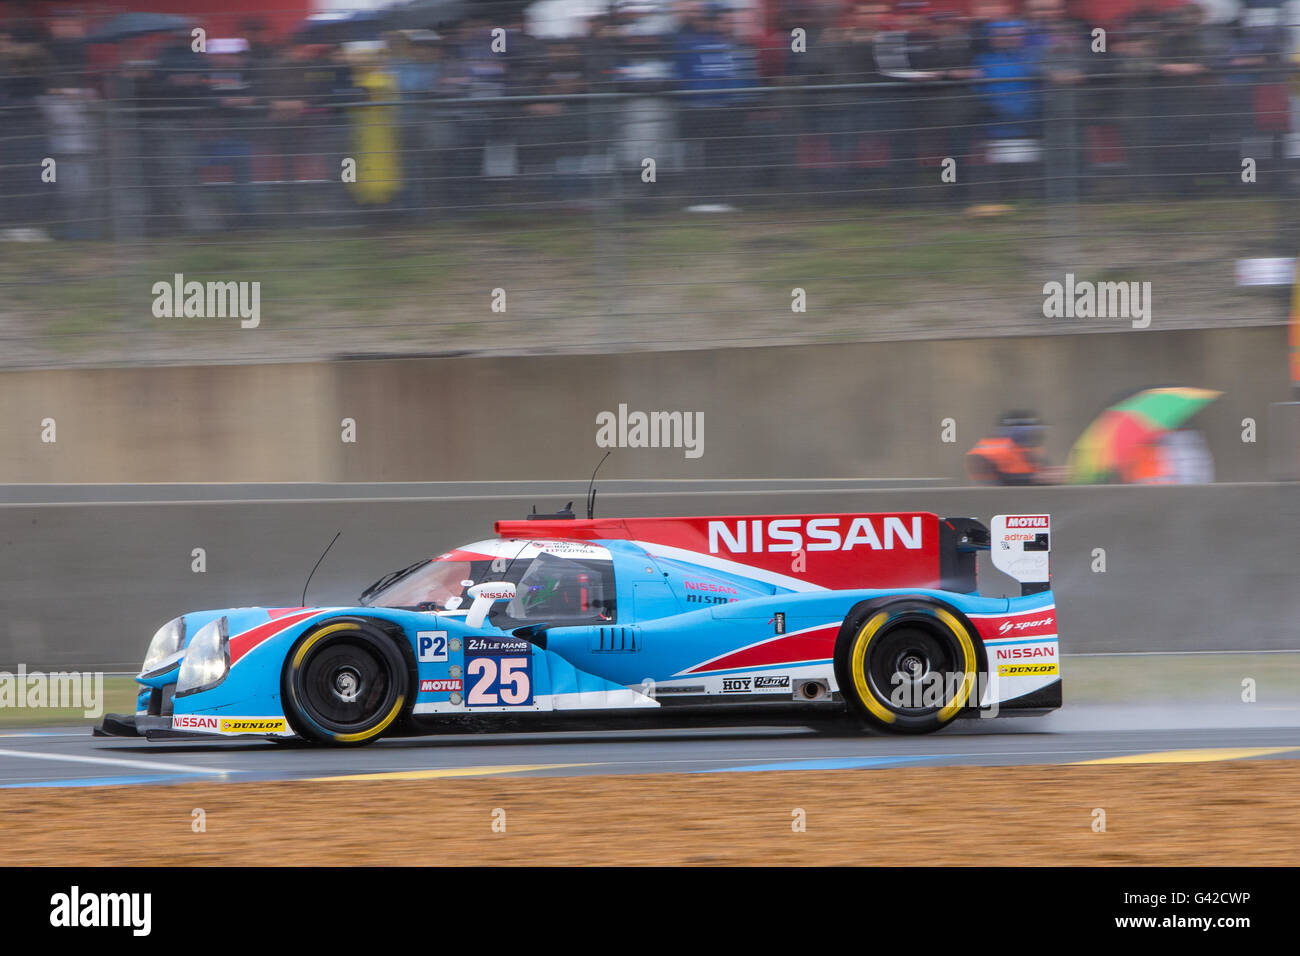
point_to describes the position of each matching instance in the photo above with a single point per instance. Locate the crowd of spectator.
(827, 99)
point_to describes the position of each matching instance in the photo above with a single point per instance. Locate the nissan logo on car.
(815, 534)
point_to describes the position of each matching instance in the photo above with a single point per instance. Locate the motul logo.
(814, 534)
(436, 686)
(1027, 521)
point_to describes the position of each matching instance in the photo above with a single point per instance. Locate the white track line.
(114, 762)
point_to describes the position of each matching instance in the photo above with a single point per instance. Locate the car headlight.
(207, 659)
(167, 640)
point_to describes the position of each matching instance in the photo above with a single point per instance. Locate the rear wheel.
(908, 667)
(344, 683)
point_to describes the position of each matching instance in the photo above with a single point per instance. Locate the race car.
(876, 615)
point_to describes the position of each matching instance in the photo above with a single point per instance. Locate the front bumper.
(160, 727)
(151, 727)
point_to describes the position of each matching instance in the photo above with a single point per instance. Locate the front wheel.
(344, 683)
(909, 667)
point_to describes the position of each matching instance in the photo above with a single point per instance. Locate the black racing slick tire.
(907, 666)
(344, 683)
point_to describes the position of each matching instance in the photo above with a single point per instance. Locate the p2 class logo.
(432, 646)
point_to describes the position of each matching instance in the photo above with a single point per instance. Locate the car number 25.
(499, 681)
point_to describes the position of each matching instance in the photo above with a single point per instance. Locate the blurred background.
(828, 230)
(881, 192)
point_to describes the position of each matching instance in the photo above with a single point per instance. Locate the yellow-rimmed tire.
(344, 683)
(908, 666)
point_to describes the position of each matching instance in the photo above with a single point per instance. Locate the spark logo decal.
(1007, 627)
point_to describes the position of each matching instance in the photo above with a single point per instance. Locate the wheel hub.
(909, 667)
(912, 665)
(347, 684)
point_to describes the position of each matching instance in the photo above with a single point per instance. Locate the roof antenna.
(318, 561)
(591, 490)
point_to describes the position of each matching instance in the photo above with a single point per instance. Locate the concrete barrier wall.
(855, 409)
(203, 423)
(85, 585)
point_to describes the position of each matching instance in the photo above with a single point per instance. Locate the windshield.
(555, 581)
(440, 584)
(437, 586)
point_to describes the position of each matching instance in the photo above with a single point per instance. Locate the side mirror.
(484, 596)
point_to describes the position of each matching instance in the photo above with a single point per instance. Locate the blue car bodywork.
(607, 624)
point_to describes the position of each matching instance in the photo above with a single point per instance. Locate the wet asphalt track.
(1114, 734)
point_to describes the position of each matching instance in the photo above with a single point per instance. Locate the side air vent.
(615, 639)
(534, 634)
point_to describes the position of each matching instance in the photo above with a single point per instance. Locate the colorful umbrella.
(1111, 444)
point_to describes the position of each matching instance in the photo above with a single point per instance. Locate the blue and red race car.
(876, 614)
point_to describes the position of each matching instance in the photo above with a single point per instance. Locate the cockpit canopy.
(567, 582)
(564, 590)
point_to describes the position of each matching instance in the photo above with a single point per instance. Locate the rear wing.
(1022, 549)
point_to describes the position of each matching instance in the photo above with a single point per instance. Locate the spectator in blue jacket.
(1012, 91)
(713, 63)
